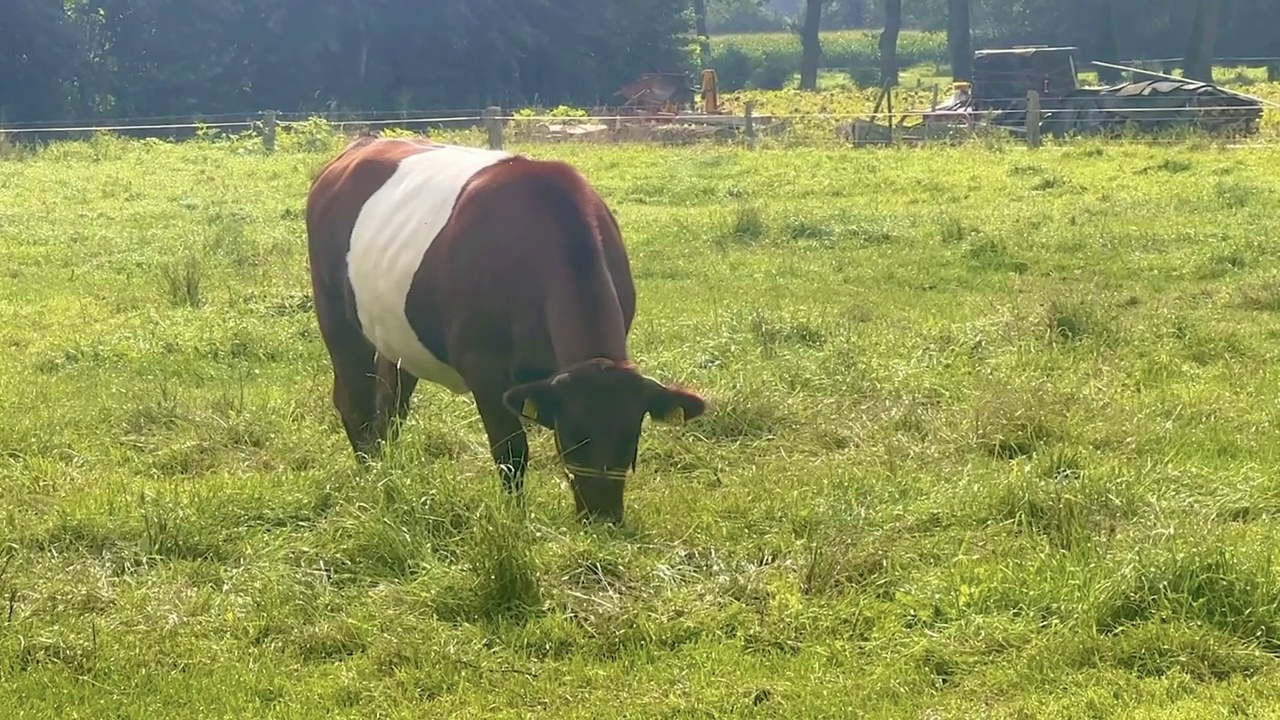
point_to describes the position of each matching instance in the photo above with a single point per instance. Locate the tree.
(82, 59)
(1198, 63)
(700, 27)
(735, 16)
(38, 57)
(889, 42)
(847, 14)
(958, 39)
(811, 44)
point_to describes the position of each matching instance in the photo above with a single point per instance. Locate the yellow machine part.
(710, 98)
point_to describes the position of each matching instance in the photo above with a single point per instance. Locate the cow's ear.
(673, 406)
(534, 402)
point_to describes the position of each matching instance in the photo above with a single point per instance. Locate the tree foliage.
(1143, 28)
(69, 59)
(167, 57)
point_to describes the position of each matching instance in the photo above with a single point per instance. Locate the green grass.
(992, 435)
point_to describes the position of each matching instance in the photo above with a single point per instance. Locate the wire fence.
(242, 116)
(790, 130)
(995, 79)
(924, 106)
(478, 116)
(477, 119)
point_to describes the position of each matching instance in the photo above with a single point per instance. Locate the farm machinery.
(1003, 79)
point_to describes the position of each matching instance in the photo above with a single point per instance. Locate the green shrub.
(766, 60)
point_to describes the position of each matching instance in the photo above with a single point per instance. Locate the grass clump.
(1003, 458)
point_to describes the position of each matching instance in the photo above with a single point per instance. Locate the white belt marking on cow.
(391, 235)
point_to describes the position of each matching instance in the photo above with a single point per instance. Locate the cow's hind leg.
(354, 389)
(354, 375)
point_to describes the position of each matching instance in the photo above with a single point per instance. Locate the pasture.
(992, 434)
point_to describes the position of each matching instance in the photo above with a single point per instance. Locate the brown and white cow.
(491, 274)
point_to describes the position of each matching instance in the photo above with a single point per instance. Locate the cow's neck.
(585, 321)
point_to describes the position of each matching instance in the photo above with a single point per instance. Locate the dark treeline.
(87, 59)
(143, 58)
(1138, 28)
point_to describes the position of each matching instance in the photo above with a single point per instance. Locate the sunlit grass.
(991, 436)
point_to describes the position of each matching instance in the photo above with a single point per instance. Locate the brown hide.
(526, 292)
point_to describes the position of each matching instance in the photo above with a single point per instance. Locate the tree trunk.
(811, 44)
(1198, 64)
(889, 43)
(700, 26)
(1106, 39)
(958, 40)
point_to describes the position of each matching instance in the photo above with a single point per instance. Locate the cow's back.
(443, 251)
(532, 253)
(372, 215)
(389, 243)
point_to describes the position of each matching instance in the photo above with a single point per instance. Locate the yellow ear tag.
(529, 410)
(675, 417)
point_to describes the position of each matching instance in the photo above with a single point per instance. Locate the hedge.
(766, 61)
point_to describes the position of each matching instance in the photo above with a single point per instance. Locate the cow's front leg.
(507, 440)
(394, 389)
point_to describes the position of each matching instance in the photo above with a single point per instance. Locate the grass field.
(992, 435)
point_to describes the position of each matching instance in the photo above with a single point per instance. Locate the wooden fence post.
(1033, 119)
(749, 121)
(493, 125)
(269, 130)
(888, 106)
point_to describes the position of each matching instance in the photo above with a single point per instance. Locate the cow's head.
(596, 409)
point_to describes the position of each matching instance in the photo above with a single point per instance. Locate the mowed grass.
(992, 435)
